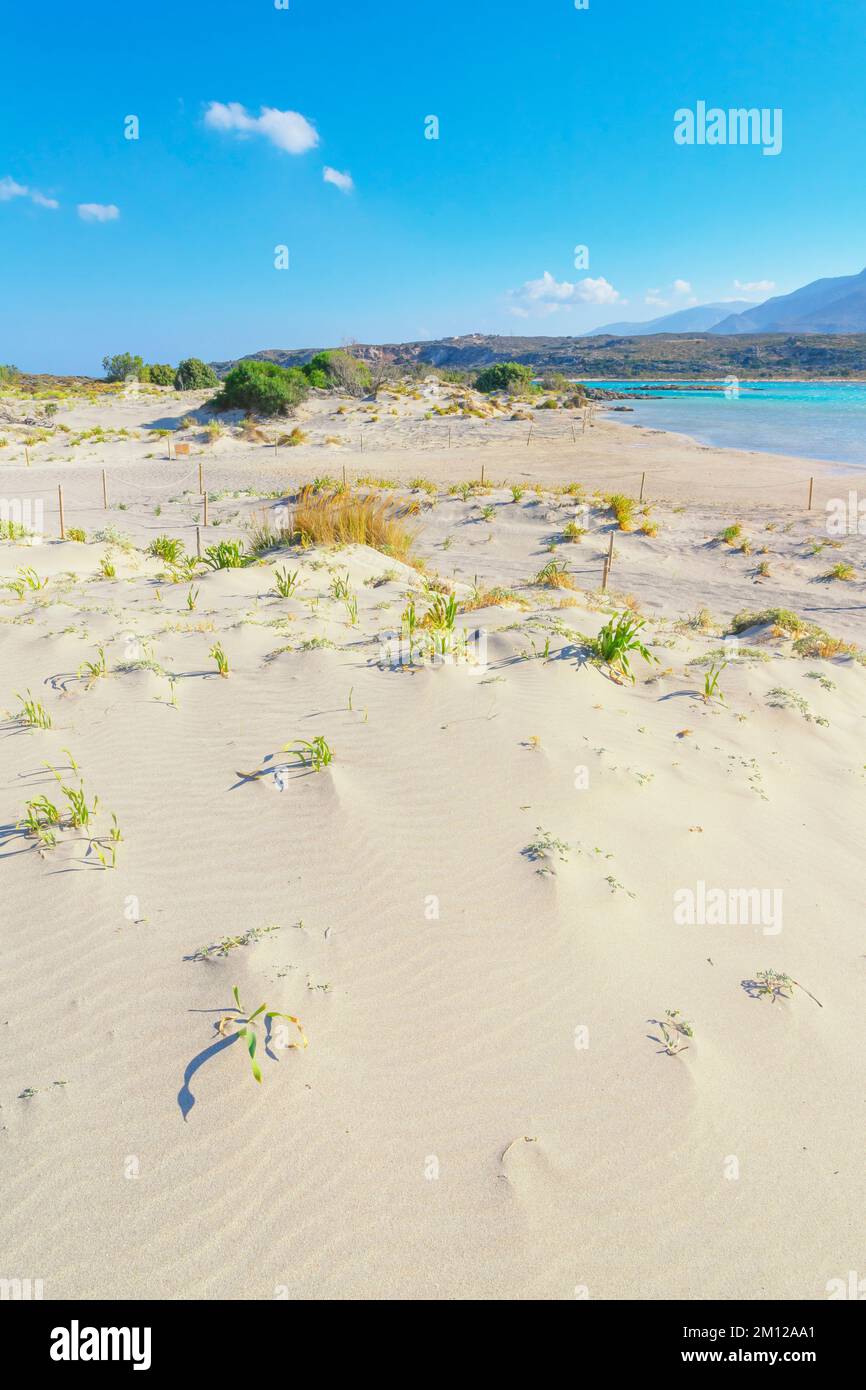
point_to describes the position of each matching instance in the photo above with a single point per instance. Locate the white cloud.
(342, 181)
(288, 130)
(9, 189)
(548, 296)
(754, 286)
(98, 212)
(681, 287)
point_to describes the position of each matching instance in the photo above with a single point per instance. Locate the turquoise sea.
(808, 419)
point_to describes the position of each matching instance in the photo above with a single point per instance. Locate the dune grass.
(332, 518)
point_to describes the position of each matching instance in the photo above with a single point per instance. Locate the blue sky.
(556, 129)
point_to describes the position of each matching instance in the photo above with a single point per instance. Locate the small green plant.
(352, 610)
(711, 682)
(192, 598)
(842, 570)
(30, 579)
(315, 753)
(249, 1029)
(731, 534)
(75, 533)
(33, 712)
(217, 654)
(285, 582)
(226, 555)
(554, 575)
(674, 1030)
(774, 984)
(340, 587)
(92, 671)
(572, 532)
(167, 548)
(617, 639)
(517, 492)
(107, 568)
(544, 847)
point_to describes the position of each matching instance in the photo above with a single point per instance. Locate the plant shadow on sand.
(185, 1098)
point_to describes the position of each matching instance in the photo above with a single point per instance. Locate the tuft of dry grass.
(332, 518)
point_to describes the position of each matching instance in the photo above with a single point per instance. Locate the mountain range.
(834, 305)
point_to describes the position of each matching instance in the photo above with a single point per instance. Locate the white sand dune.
(485, 1109)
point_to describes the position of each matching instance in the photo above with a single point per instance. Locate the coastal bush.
(504, 376)
(160, 373)
(339, 370)
(194, 375)
(123, 365)
(263, 387)
(617, 639)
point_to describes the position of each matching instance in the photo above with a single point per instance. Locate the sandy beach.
(472, 909)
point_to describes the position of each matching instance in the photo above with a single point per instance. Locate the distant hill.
(663, 355)
(836, 305)
(699, 319)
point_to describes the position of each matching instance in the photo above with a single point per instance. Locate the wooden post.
(275, 446)
(482, 475)
(605, 572)
(529, 436)
(449, 436)
(205, 507)
(362, 441)
(60, 499)
(168, 437)
(573, 435)
(344, 475)
(200, 477)
(610, 553)
(811, 486)
(642, 481)
(104, 492)
(198, 541)
(585, 408)
(27, 455)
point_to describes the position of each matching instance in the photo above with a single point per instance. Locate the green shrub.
(504, 376)
(263, 387)
(160, 373)
(194, 375)
(340, 370)
(122, 365)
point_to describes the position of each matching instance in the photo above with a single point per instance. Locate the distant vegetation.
(504, 376)
(194, 375)
(338, 370)
(262, 388)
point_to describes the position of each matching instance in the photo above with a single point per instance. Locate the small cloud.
(549, 296)
(9, 189)
(754, 286)
(681, 287)
(653, 297)
(288, 130)
(342, 181)
(98, 212)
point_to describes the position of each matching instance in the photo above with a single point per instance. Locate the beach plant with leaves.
(285, 581)
(618, 639)
(92, 671)
(167, 548)
(217, 654)
(32, 712)
(674, 1030)
(711, 682)
(775, 984)
(246, 1027)
(226, 555)
(315, 753)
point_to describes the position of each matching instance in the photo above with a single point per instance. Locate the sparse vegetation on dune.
(332, 518)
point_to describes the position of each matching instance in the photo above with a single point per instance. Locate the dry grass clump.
(491, 598)
(554, 576)
(332, 518)
(809, 639)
